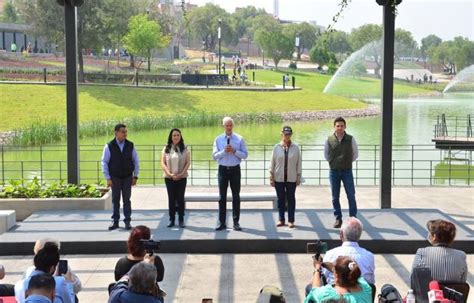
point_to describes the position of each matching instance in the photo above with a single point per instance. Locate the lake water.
(416, 161)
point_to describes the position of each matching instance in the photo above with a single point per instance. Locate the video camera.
(317, 248)
(150, 245)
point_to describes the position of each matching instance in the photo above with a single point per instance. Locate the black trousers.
(7, 290)
(176, 191)
(229, 174)
(122, 187)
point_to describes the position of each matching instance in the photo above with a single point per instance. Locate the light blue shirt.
(364, 258)
(37, 299)
(64, 292)
(229, 159)
(106, 159)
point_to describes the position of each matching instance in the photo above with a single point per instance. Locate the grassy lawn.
(24, 104)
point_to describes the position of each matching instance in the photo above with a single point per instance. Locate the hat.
(287, 130)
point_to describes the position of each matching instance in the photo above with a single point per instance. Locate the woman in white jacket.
(285, 175)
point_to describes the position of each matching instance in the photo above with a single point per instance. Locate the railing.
(411, 165)
(453, 128)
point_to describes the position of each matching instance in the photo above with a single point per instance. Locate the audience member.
(445, 263)
(349, 234)
(6, 290)
(348, 283)
(136, 254)
(138, 285)
(45, 262)
(69, 275)
(41, 289)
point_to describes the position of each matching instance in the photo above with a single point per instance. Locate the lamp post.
(297, 45)
(203, 51)
(219, 37)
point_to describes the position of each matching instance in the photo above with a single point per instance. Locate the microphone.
(228, 140)
(435, 294)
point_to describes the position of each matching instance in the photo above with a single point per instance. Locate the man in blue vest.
(120, 167)
(340, 150)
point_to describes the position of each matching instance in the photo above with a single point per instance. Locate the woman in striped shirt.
(445, 263)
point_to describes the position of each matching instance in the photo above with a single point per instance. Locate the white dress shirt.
(363, 257)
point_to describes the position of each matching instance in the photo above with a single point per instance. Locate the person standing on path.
(175, 161)
(285, 175)
(340, 150)
(229, 150)
(120, 167)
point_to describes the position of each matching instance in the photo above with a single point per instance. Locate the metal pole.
(387, 106)
(71, 92)
(219, 37)
(44, 75)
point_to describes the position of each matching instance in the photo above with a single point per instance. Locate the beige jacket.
(277, 163)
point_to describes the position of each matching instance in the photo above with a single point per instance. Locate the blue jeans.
(286, 192)
(122, 187)
(335, 177)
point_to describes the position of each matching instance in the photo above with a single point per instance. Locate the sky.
(444, 18)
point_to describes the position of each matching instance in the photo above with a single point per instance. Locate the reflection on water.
(413, 123)
(416, 161)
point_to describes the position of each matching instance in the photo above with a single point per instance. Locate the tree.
(242, 20)
(143, 36)
(336, 42)
(306, 32)
(454, 55)
(275, 44)
(429, 42)
(116, 23)
(364, 35)
(322, 56)
(357, 69)
(9, 14)
(203, 23)
(368, 34)
(405, 45)
(96, 20)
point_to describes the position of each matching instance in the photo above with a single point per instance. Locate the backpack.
(389, 293)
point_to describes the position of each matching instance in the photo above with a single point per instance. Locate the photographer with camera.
(140, 246)
(348, 285)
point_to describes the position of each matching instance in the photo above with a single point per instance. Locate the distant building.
(276, 9)
(18, 33)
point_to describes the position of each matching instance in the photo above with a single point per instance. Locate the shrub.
(36, 189)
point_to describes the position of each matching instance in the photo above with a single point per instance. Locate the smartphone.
(62, 267)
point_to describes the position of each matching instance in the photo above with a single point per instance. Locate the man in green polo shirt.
(340, 151)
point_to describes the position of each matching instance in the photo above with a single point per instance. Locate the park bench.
(244, 197)
(7, 220)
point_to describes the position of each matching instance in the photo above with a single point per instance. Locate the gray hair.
(142, 278)
(351, 229)
(227, 119)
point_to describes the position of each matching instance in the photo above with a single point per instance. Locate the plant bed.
(33, 197)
